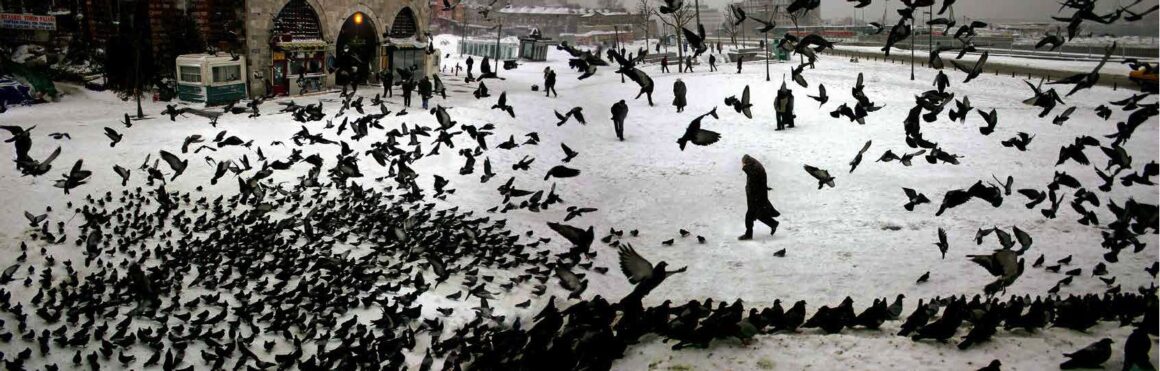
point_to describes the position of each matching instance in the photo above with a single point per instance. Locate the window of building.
(190, 73)
(227, 73)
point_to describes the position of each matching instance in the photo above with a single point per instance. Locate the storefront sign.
(27, 22)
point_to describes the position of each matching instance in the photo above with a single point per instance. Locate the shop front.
(299, 67)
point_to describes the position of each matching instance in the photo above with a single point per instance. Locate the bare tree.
(730, 25)
(644, 11)
(678, 20)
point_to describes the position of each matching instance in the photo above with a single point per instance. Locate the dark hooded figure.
(388, 79)
(619, 112)
(689, 64)
(550, 83)
(783, 105)
(941, 81)
(408, 86)
(470, 63)
(712, 63)
(757, 198)
(739, 58)
(679, 91)
(425, 90)
(438, 85)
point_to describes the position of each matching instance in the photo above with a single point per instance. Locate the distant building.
(775, 10)
(293, 45)
(557, 21)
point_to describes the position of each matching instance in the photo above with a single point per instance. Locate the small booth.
(211, 79)
(299, 66)
(508, 48)
(534, 47)
(407, 54)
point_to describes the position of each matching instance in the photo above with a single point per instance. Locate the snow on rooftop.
(558, 10)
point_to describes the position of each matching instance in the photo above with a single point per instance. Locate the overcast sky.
(986, 9)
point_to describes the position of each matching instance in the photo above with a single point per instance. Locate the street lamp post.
(765, 47)
(913, 29)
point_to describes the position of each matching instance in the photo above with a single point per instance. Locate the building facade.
(775, 10)
(293, 46)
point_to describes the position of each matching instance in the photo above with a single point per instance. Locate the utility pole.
(766, 47)
(498, 35)
(913, 29)
(929, 30)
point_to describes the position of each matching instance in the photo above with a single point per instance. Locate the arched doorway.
(357, 45)
(403, 49)
(298, 62)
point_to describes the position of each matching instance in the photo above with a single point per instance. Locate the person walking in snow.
(388, 79)
(712, 63)
(425, 90)
(550, 83)
(739, 58)
(665, 64)
(679, 91)
(408, 86)
(757, 202)
(470, 64)
(689, 64)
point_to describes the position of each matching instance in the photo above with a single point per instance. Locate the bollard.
(1115, 85)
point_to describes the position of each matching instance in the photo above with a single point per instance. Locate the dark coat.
(679, 91)
(425, 88)
(756, 188)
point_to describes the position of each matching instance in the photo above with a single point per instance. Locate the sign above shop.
(27, 22)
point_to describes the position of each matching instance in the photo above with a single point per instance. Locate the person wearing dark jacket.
(425, 90)
(550, 84)
(689, 64)
(783, 106)
(408, 86)
(665, 64)
(388, 80)
(619, 113)
(470, 63)
(757, 202)
(739, 58)
(679, 91)
(712, 63)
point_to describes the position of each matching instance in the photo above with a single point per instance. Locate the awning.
(303, 45)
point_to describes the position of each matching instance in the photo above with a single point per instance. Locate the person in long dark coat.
(550, 84)
(425, 90)
(739, 58)
(679, 91)
(665, 64)
(470, 64)
(619, 112)
(783, 106)
(712, 63)
(408, 86)
(689, 64)
(757, 202)
(388, 79)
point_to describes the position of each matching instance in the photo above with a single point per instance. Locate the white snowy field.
(852, 240)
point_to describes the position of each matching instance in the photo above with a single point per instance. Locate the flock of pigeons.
(282, 273)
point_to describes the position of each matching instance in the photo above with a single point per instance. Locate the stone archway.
(405, 24)
(357, 45)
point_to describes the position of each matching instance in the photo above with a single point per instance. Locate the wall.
(260, 20)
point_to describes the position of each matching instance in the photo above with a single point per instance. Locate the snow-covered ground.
(852, 240)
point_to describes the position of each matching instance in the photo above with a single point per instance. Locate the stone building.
(293, 45)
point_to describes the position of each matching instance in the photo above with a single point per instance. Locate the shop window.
(190, 74)
(227, 73)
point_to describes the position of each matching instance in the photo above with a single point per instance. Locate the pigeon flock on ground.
(321, 273)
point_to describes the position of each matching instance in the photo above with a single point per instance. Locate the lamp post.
(912, 31)
(765, 47)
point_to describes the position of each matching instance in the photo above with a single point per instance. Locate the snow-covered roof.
(558, 10)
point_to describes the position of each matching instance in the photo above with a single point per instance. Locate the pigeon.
(671, 6)
(942, 242)
(643, 274)
(503, 106)
(574, 212)
(914, 199)
(962, 107)
(822, 98)
(1091, 356)
(1019, 141)
(177, 165)
(742, 106)
(973, 71)
(701, 137)
(123, 173)
(858, 158)
(569, 154)
(560, 171)
(823, 177)
(114, 136)
(992, 119)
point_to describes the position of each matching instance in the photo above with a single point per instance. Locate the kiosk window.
(190, 73)
(227, 73)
